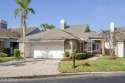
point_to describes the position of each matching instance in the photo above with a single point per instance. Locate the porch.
(92, 46)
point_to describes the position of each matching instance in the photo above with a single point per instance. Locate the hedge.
(17, 53)
(2, 54)
(82, 55)
(67, 54)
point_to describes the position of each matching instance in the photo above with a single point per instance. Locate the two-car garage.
(44, 49)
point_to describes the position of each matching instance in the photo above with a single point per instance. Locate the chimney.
(112, 26)
(3, 24)
(62, 24)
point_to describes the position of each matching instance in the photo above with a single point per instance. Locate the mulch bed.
(70, 59)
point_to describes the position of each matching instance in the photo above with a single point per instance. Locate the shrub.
(16, 53)
(88, 54)
(67, 54)
(7, 51)
(3, 54)
(82, 55)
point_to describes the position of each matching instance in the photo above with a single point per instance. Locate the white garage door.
(47, 50)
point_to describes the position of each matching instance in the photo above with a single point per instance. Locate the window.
(96, 46)
(89, 46)
(85, 46)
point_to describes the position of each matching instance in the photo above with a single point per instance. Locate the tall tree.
(24, 9)
(46, 26)
(111, 37)
(51, 26)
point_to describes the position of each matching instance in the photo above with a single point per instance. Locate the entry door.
(120, 49)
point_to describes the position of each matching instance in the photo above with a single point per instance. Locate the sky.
(96, 13)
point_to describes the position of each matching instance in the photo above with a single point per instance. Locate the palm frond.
(31, 10)
(16, 12)
(20, 3)
(27, 2)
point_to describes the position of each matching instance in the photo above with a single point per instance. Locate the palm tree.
(44, 26)
(24, 9)
(51, 26)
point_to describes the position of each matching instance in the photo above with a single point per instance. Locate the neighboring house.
(9, 37)
(54, 43)
(120, 48)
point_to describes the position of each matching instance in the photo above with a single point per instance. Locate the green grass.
(5, 59)
(100, 65)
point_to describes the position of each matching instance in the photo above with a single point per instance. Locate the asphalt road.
(101, 78)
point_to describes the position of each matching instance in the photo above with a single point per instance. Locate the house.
(54, 43)
(9, 37)
(120, 47)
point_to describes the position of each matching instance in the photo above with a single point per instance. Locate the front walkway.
(95, 57)
(29, 67)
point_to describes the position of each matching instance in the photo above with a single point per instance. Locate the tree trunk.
(21, 22)
(24, 25)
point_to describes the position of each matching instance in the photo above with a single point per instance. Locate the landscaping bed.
(103, 64)
(5, 59)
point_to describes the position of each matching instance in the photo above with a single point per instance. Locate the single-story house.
(9, 37)
(54, 43)
(120, 47)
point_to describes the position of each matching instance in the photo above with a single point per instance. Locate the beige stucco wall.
(21, 48)
(69, 45)
(24, 48)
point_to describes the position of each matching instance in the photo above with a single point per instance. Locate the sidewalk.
(119, 73)
(40, 68)
(95, 57)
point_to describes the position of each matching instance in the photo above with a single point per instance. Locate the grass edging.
(103, 64)
(6, 59)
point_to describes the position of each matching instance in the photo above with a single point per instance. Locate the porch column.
(71, 45)
(1, 46)
(91, 47)
(103, 47)
(81, 47)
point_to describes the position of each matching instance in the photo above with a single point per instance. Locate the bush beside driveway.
(103, 64)
(5, 59)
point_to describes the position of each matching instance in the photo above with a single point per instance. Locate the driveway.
(29, 67)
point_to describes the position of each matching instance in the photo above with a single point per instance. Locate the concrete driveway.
(29, 67)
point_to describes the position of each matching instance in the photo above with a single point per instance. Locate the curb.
(65, 74)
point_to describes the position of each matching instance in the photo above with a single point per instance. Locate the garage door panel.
(50, 50)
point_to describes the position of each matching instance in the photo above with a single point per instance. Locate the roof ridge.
(69, 33)
(79, 25)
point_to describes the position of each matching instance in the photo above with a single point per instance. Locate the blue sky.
(96, 13)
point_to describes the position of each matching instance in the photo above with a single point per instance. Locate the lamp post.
(73, 57)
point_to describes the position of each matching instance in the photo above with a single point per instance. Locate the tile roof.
(54, 34)
(7, 33)
(19, 31)
(120, 35)
(82, 31)
(71, 32)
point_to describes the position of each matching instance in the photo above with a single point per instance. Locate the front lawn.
(5, 59)
(100, 65)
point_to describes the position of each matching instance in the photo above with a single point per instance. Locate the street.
(93, 78)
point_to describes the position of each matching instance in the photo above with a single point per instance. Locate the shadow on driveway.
(22, 62)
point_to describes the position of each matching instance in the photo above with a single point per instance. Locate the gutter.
(8, 37)
(44, 41)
